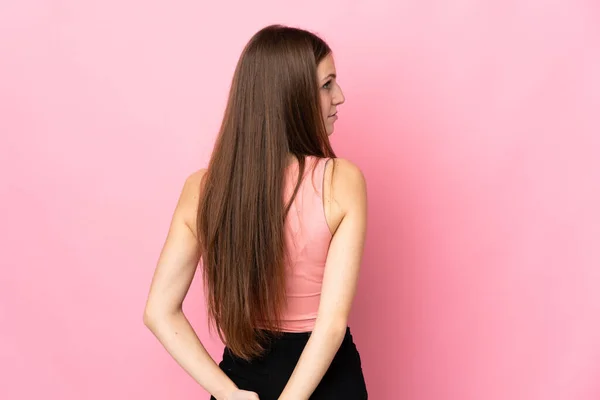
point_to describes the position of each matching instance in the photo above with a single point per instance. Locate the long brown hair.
(272, 112)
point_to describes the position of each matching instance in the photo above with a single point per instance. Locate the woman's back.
(308, 235)
(329, 188)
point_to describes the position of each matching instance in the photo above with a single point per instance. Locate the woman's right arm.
(163, 313)
(339, 283)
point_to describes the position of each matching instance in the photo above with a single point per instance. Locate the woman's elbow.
(334, 328)
(152, 316)
(339, 328)
(149, 318)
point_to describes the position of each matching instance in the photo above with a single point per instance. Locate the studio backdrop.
(476, 124)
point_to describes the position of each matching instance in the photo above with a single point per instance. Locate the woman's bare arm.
(339, 283)
(163, 313)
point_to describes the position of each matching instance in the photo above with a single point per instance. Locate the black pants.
(268, 375)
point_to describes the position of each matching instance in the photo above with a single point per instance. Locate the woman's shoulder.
(196, 177)
(193, 185)
(348, 182)
(344, 167)
(346, 172)
(187, 206)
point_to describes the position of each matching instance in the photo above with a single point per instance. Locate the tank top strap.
(311, 186)
(319, 174)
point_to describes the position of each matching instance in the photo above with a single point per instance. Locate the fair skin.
(345, 205)
(330, 92)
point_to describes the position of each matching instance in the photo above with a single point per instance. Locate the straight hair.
(273, 111)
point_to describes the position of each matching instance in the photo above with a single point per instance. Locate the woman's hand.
(242, 395)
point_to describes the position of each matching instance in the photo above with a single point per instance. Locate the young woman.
(279, 224)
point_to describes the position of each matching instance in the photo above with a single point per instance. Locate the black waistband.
(295, 335)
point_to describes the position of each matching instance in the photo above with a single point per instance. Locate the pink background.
(476, 123)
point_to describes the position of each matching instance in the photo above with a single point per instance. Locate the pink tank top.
(307, 240)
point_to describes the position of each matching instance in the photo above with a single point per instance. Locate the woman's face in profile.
(330, 92)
